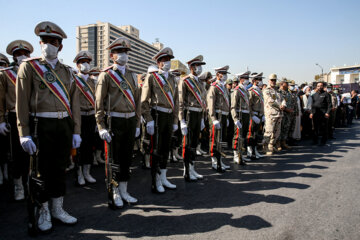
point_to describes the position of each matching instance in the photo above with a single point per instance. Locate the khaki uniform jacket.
(152, 96)
(7, 93)
(29, 84)
(273, 101)
(187, 98)
(238, 103)
(118, 102)
(85, 105)
(215, 100)
(256, 104)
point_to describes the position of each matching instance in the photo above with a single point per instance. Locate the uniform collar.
(84, 76)
(194, 77)
(51, 62)
(122, 69)
(165, 74)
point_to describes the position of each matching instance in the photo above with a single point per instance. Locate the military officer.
(218, 103)
(45, 88)
(273, 106)
(241, 112)
(192, 109)
(159, 105)
(20, 50)
(288, 113)
(118, 94)
(256, 102)
(86, 86)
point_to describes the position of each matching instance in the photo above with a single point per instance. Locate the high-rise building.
(96, 37)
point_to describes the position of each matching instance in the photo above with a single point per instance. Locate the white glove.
(3, 129)
(183, 127)
(150, 129)
(175, 127)
(256, 119)
(28, 145)
(263, 119)
(238, 124)
(217, 125)
(227, 122)
(76, 141)
(137, 132)
(202, 125)
(105, 135)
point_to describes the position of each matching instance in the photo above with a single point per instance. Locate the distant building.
(96, 37)
(344, 75)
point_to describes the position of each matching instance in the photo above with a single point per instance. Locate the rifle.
(75, 154)
(110, 167)
(241, 162)
(155, 157)
(35, 185)
(219, 140)
(189, 153)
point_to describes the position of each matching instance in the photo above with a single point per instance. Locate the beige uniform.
(85, 105)
(187, 98)
(153, 96)
(216, 101)
(118, 102)
(7, 93)
(273, 114)
(29, 84)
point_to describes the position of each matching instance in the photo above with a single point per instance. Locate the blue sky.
(286, 37)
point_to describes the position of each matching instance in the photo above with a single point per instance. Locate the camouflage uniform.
(287, 117)
(295, 107)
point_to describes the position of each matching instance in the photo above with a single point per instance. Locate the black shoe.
(219, 169)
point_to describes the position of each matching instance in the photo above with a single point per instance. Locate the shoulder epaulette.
(213, 84)
(32, 58)
(106, 69)
(8, 68)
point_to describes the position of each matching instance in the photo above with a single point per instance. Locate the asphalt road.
(309, 192)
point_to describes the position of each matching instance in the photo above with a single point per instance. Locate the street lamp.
(322, 70)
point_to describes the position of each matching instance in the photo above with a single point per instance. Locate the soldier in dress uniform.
(256, 102)
(46, 89)
(117, 88)
(159, 104)
(218, 103)
(192, 109)
(86, 85)
(241, 112)
(288, 113)
(177, 136)
(4, 130)
(20, 50)
(273, 106)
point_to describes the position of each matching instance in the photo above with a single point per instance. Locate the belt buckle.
(60, 115)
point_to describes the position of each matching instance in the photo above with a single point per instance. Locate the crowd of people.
(54, 118)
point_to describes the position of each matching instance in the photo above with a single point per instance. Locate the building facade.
(344, 75)
(96, 37)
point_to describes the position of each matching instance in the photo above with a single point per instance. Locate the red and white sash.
(259, 94)
(123, 85)
(168, 93)
(243, 95)
(11, 74)
(85, 89)
(223, 93)
(195, 91)
(53, 82)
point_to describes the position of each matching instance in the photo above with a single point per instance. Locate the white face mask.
(224, 78)
(292, 88)
(177, 79)
(84, 67)
(260, 84)
(198, 70)
(122, 58)
(49, 51)
(2, 67)
(20, 59)
(166, 67)
(328, 90)
(246, 82)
